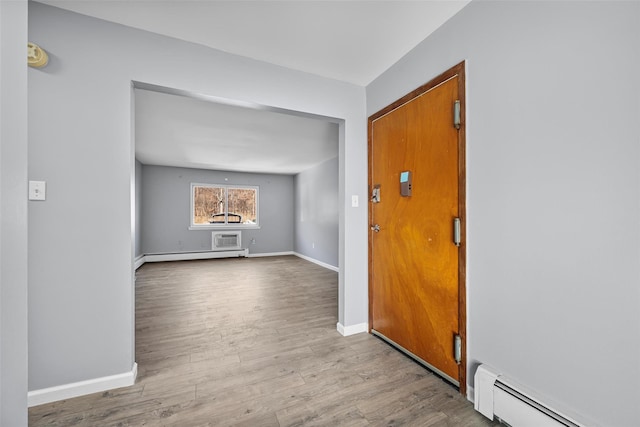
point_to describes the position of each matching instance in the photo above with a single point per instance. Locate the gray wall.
(138, 211)
(553, 193)
(81, 246)
(13, 213)
(316, 212)
(166, 198)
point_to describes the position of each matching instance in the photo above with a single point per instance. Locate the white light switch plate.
(354, 201)
(37, 190)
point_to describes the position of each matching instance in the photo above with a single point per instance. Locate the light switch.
(37, 190)
(354, 201)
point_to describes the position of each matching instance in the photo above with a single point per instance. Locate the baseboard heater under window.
(497, 397)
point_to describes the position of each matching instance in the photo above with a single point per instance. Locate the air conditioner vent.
(225, 240)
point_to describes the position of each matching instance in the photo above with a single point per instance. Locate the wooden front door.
(416, 297)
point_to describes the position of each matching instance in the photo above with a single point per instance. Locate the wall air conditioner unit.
(499, 397)
(226, 240)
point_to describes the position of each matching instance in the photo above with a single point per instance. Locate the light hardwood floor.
(253, 342)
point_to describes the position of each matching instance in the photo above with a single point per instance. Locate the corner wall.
(13, 213)
(553, 188)
(137, 247)
(316, 213)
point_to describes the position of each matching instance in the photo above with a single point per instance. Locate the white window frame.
(227, 226)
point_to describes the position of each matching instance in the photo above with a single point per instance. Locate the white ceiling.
(174, 130)
(349, 40)
(353, 41)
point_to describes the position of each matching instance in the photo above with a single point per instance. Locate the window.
(219, 206)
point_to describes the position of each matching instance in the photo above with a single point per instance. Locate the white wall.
(553, 193)
(13, 213)
(80, 244)
(316, 212)
(137, 247)
(166, 199)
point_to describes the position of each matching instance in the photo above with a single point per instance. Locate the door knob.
(375, 228)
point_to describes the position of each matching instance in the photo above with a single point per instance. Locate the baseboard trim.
(315, 261)
(470, 394)
(81, 388)
(138, 262)
(352, 329)
(189, 256)
(270, 254)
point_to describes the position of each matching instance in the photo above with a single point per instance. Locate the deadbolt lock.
(375, 194)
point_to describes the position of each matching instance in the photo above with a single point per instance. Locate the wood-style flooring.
(253, 342)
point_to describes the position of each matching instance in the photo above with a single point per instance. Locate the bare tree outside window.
(242, 201)
(224, 205)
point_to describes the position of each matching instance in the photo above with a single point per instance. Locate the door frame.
(459, 71)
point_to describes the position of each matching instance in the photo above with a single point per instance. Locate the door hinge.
(456, 231)
(456, 114)
(457, 348)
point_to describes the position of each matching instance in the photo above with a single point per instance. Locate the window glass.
(220, 205)
(242, 205)
(208, 203)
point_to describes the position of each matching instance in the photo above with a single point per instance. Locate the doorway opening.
(243, 152)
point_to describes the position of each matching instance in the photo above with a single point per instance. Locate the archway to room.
(184, 139)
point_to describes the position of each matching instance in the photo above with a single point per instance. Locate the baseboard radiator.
(495, 396)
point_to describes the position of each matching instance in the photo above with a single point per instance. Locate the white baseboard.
(138, 262)
(188, 256)
(470, 394)
(315, 261)
(81, 388)
(352, 329)
(270, 254)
